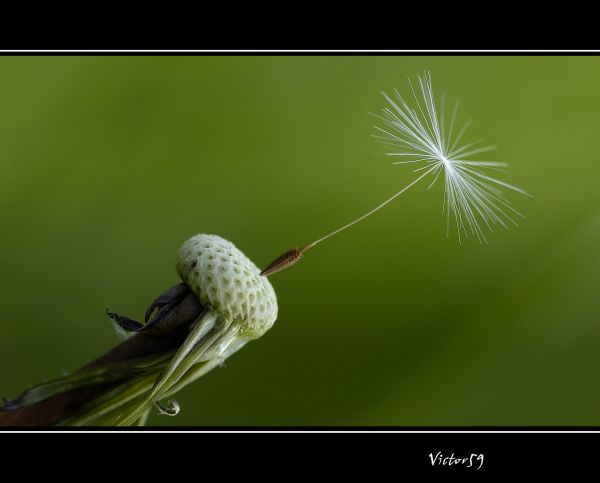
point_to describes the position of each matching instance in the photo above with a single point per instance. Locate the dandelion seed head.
(427, 138)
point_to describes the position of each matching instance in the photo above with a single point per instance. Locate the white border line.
(239, 431)
(309, 51)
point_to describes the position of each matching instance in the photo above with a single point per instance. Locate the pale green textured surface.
(229, 282)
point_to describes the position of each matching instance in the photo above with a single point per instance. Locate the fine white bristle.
(420, 136)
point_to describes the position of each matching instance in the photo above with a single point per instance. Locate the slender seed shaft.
(294, 255)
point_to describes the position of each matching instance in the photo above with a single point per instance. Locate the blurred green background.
(109, 163)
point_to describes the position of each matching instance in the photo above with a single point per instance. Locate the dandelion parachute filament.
(420, 136)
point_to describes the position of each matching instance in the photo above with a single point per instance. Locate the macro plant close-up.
(448, 257)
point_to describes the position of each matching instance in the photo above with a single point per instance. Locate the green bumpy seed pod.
(226, 280)
(237, 305)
